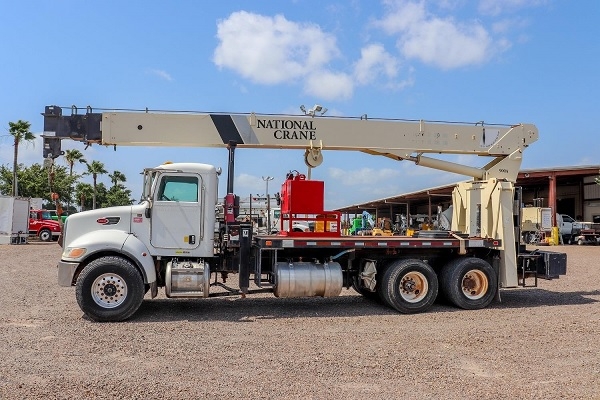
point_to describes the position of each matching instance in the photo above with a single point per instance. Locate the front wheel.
(469, 283)
(110, 289)
(410, 286)
(45, 235)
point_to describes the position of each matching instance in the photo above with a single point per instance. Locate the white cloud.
(507, 25)
(246, 183)
(374, 62)
(329, 85)
(32, 153)
(401, 16)
(449, 4)
(497, 7)
(363, 176)
(271, 50)
(587, 160)
(442, 42)
(29, 152)
(161, 74)
(367, 184)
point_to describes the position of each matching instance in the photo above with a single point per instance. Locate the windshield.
(566, 218)
(46, 215)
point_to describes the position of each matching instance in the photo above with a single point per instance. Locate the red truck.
(43, 226)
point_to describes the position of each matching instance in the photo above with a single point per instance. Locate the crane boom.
(396, 139)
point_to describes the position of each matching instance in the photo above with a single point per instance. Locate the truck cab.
(573, 231)
(176, 217)
(43, 226)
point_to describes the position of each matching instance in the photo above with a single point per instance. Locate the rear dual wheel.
(469, 283)
(409, 286)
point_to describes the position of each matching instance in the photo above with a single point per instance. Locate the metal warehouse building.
(567, 190)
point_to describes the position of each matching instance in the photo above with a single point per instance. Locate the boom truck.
(177, 238)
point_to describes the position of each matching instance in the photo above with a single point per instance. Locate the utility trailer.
(176, 240)
(14, 220)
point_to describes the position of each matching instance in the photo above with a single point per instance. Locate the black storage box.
(551, 264)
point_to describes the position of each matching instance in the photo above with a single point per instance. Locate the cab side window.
(178, 188)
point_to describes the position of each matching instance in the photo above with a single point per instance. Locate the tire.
(110, 289)
(469, 283)
(409, 286)
(45, 235)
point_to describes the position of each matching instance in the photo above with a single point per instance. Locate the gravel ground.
(539, 343)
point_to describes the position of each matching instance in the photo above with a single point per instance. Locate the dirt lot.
(537, 344)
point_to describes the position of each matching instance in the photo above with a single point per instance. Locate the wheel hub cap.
(109, 290)
(475, 284)
(414, 287)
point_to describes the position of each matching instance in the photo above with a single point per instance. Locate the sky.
(498, 61)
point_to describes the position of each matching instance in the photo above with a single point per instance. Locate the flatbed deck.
(308, 241)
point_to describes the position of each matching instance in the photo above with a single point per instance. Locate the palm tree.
(72, 156)
(84, 191)
(94, 169)
(20, 132)
(117, 177)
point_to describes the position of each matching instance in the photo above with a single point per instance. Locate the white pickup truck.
(573, 231)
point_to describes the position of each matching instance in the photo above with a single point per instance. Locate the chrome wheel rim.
(109, 290)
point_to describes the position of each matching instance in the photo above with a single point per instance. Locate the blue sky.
(501, 61)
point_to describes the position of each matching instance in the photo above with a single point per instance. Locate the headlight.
(73, 252)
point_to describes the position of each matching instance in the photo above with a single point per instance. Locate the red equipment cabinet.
(299, 196)
(303, 200)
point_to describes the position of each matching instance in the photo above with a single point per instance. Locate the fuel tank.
(305, 279)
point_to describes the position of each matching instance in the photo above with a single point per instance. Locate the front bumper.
(66, 270)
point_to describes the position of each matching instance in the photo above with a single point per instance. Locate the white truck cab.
(573, 231)
(176, 218)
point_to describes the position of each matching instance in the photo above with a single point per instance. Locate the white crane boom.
(396, 139)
